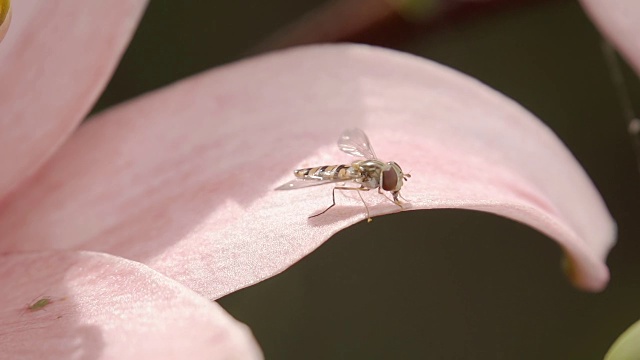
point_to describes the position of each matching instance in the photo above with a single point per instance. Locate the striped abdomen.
(330, 172)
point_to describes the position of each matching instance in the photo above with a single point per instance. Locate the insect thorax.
(371, 171)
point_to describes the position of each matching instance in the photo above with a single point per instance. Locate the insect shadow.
(337, 214)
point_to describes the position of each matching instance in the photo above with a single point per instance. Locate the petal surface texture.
(83, 305)
(619, 21)
(182, 179)
(56, 60)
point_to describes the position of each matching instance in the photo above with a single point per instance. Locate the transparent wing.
(356, 143)
(303, 183)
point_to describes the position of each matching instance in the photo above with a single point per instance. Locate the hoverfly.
(370, 173)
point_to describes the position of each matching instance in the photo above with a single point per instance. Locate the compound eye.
(389, 180)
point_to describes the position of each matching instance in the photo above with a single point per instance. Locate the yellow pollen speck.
(4, 10)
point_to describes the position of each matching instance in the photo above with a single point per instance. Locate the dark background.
(437, 284)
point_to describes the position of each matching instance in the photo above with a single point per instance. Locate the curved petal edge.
(193, 167)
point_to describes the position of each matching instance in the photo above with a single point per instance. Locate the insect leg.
(334, 200)
(402, 197)
(327, 209)
(395, 201)
(365, 205)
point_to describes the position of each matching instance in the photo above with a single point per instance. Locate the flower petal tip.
(594, 279)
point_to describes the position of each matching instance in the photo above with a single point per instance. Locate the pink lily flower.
(116, 233)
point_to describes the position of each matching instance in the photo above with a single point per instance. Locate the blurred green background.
(435, 284)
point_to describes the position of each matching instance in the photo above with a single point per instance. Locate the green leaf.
(627, 346)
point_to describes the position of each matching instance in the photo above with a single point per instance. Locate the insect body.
(370, 173)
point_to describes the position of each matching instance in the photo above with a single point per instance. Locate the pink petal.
(183, 179)
(55, 61)
(619, 20)
(72, 305)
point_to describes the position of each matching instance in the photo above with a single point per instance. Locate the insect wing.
(304, 183)
(356, 143)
